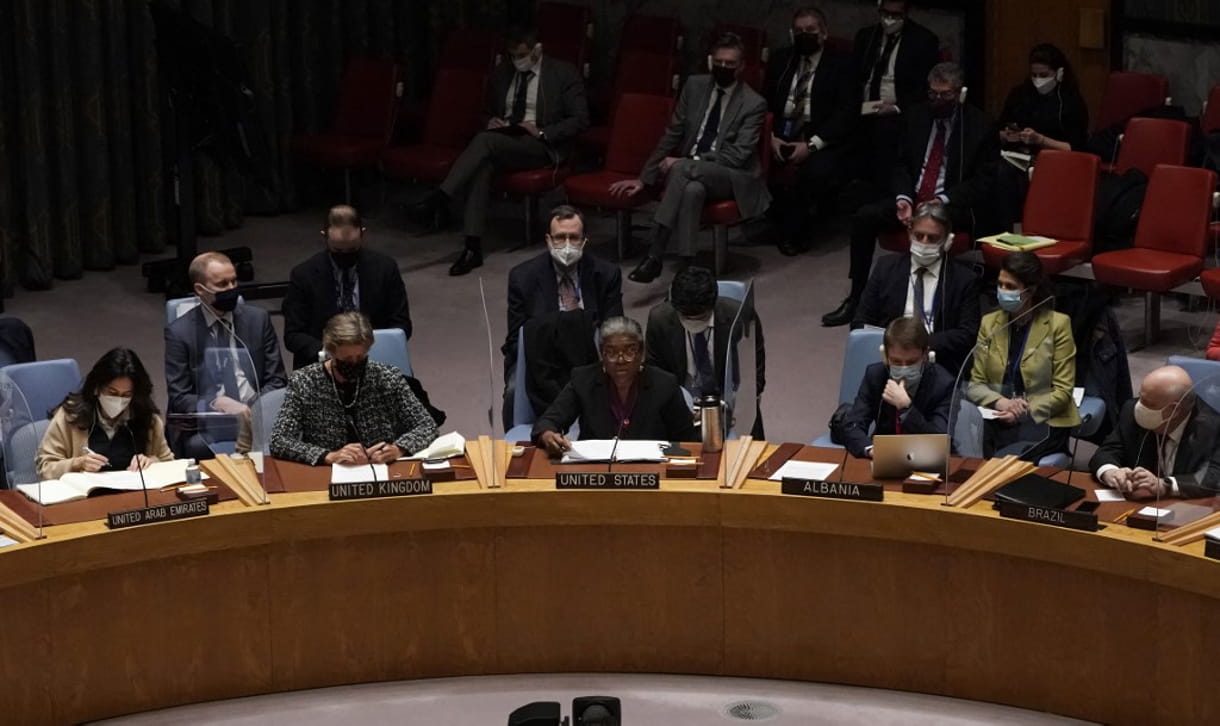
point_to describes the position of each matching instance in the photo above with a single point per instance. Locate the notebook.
(1037, 491)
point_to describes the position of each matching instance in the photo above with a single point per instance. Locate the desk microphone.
(365, 449)
(617, 435)
(139, 469)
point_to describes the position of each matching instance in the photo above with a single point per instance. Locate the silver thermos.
(711, 421)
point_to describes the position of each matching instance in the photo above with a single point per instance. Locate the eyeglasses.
(942, 95)
(576, 240)
(626, 355)
(930, 238)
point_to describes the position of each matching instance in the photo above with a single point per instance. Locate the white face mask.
(892, 25)
(1148, 418)
(113, 406)
(694, 326)
(567, 255)
(528, 62)
(924, 255)
(1044, 85)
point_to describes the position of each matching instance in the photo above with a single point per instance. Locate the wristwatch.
(541, 135)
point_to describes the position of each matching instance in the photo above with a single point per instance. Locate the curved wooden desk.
(904, 594)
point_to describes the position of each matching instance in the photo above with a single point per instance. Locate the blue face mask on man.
(1010, 300)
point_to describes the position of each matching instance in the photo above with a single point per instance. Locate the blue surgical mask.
(1010, 300)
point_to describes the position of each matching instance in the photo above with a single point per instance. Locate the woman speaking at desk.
(619, 397)
(110, 424)
(348, 409)
(1025, 366)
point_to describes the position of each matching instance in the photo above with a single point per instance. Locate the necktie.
(705, 373)
(711, 127)
(802, 89)
(883, 62)
(347, 290)
(898, 422)
(919, 293)
(931, 168)
(568, 299)
(523, 85)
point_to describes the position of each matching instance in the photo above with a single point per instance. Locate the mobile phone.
(1012, 126)
(1087, 507)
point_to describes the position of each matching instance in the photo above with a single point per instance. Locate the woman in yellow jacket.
(110, 424)
(1025, 365)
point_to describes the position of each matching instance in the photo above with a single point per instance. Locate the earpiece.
(1059, 75)
(709, 62)
(791, 35)
(961, 97)
(931, 356)
(949, 243)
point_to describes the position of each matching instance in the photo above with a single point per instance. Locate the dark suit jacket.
(555, 345)
(563, 111)
(533, 292)
(660, 410)
(928, 414)
(956, 317)
(1197, 464)
(186, 338)
(310, 301)
(918, 51)
(665, 341)
(834, 98)
(971, 155)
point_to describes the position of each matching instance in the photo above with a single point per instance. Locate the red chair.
(1148, 142)
(563, 22)
(638, 71)
(754, 39)
(639, 121)
(364, 120)
(651, 32)
(900, 241)
(454, 117)
(1128, 93)
(1059, 205)
(1210, 120)
(473, 49)
(1170, 239)
(1211, 282)
(575, 51)
(721, 215)
(529, 184)
(752, 74)
(842, 46)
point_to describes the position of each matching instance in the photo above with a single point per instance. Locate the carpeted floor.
(450, 346)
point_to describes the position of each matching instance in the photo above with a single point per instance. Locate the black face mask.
(724, 77)
(225, 301)
(942, 109)
(345, 260)
(351, 370)
(807, 43)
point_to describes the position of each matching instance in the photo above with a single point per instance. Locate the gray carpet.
(449, 350)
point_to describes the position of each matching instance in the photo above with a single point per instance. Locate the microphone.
(139, 469)
(617, 435)
(360, 440)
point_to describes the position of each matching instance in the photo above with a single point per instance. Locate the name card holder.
(195, 507)
(379, 489)
(833, 490)
(1211, 548)
(607, 480)
(1086, 521)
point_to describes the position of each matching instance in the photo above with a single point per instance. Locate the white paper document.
(1108, 495)
(869, 108)
(1160, 514)
(79, 484)
(1213, 534)
(7, 542)
(444, 447)
(595, 450)
(814, 470)
(356, 473)
(988, 413)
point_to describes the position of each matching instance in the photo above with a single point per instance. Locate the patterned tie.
(523, 85)
(712, 126)
(931, 169)
(347, 290)
(568, 299)
(883, 63)
(802, 90)
(919, 292)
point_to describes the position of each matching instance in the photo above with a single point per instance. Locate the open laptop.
(896, 457)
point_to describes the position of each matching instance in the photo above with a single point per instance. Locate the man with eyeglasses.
(947, 152)
(562, 279)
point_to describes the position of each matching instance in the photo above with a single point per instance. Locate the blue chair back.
(264, 411)
(390, 347)
(45, 383)
(20, 451)
(1201, 370)
(731, 289)
(863, 346)
(523, 410)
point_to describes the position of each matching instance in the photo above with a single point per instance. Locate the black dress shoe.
(789, 248)
(467, 261)
(647, 271)
(842, 315)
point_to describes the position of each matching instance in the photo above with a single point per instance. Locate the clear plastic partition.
(1184, 467)
(22, 434)
(232, 420)
(489, 455)
(744, 358)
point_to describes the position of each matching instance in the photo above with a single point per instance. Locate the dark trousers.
(876, 149)
(1011, 186)
(471, 174)
(815, 180)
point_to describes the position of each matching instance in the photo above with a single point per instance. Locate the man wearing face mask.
(904, 394)
(1166, 442)
(689, 336)
(344, 277)
(815, 102)
(948, 153)
(929, 285)
(535, 108)
(229, 383)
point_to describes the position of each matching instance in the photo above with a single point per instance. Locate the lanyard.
(928, 316)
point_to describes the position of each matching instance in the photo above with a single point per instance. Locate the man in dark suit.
(1166, 443)
(815, 101)
(535, 106)
(905, 394)
(709, 152)
(892, 59)
(342, 278)
(244, 362)
(929, 285)
(948, 152)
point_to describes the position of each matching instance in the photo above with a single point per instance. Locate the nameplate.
(833, 490)
(1211, 548)
(607, 480)
(1046, 515)
(379, 489)
(160, 513)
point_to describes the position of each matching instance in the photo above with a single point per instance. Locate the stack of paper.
(595, 450)
(1016, 242)
(357, 473)
(813, 470)
(79, 485)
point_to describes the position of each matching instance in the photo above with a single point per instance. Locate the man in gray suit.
(535, 109)
(709, 151)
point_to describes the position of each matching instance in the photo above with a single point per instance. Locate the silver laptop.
(896, 457)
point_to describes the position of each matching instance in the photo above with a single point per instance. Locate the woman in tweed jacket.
(349, 410)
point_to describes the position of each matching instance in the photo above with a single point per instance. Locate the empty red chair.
(563, 22)
(639, 121)
(529, 184)
(753, 38)
(752, 74)
(454, 117)
(1148, 142)
(720, 215)
(900, 241)
(1170, 239)
(575, 51)
(1211, 282)
(1128, 93)
(473, 49)
(651, 32)
(1059, 205)
(364, 120)
(637, 71)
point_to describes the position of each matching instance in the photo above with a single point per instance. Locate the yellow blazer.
(64, 441)
(1048, 365)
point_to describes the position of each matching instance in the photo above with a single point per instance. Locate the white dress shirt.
(724, 104)
(888, 94)
(692, 371)
(931, 279)
(1169, 454)
(531, 94)
(245, 390)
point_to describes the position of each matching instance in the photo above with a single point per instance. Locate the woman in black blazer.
(618, 397)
